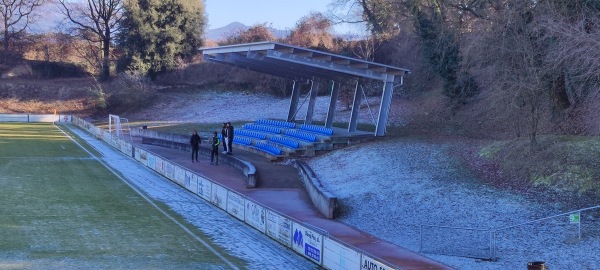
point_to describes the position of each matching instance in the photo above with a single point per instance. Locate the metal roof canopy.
(302, 64)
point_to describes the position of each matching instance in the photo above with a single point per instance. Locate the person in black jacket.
(195, 142)
(229, 138)
(224, 136)
(215, 148)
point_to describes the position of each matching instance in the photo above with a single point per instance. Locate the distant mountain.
(222, 32)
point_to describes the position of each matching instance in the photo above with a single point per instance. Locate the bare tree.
(16, 16)
(96, 21)
(256, 33)
(312, 31)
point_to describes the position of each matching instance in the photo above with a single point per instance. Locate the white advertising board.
(180, 177)
(256, 216)
(137, 154)
(219, 196)
(159, 165)
(339, 256)
(126, 148)
(235, 205)
(48, 118)
(169, 171)
(66, 118)
(204, 188)
(14, 118)
(143, 156)
(307, 242)
(191, 181)
(279, 228)
(106, 137)
(151, 161)
(99, 132)
(368, 263)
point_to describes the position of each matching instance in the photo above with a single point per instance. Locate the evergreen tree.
(158, 34)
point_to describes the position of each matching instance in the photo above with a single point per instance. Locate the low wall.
(181, 142)
(322, 199)
(35, 118)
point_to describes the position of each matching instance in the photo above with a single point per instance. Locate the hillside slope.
(428, 170)
(422, 173)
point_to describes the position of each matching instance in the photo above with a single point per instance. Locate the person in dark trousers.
(224, 136)
(215, 149)
(195, 142)
(229, 138)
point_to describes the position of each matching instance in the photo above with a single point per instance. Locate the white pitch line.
(151, 202)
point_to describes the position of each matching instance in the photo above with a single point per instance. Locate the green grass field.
(60, 208)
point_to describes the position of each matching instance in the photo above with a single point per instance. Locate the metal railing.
(480, 243)
(574, 218)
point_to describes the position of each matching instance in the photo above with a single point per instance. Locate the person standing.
(215, 149)
(224, 136)
(229, 138)
(195, 142)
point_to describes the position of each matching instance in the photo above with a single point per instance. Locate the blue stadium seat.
(263, 127)
(285, 141)
(301, 135)
(242, 140)
(276, 123)
(271, 149)
(250, 133)
(317, 129)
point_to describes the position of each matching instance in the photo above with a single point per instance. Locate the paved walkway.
(280, 188)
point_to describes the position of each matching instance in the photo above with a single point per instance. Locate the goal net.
(119, 126)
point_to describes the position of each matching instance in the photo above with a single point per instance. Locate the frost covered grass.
(61, 208)
(390, 188)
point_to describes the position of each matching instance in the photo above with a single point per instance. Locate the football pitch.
(61, 208)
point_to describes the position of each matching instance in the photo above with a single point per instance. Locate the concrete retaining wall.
(321, 198)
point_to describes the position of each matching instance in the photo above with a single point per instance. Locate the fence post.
(579, 225)
(421, 238)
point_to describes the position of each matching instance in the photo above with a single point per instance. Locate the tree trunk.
(6, 38)
(106, 55)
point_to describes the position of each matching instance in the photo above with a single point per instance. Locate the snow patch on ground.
(390, 188)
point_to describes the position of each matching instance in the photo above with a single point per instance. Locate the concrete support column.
(355, 109)
(335, 90)
(294, 101)
(314, 91)
(384, 109)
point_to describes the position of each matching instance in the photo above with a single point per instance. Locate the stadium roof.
(302, 64)
(297, 63)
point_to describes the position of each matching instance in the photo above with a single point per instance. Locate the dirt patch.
(68, 96)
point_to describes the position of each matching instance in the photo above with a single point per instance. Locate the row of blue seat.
(242, 140)
(277, 123)
(247, 141)
(269, 148)
(301, 135)
(250, 133)
(265, 128)
(285, 141)
(317, 129)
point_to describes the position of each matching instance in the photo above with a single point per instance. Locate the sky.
(279, 14)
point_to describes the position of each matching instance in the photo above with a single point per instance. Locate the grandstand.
(278, 139)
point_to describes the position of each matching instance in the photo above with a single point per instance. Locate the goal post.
(119, 126)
